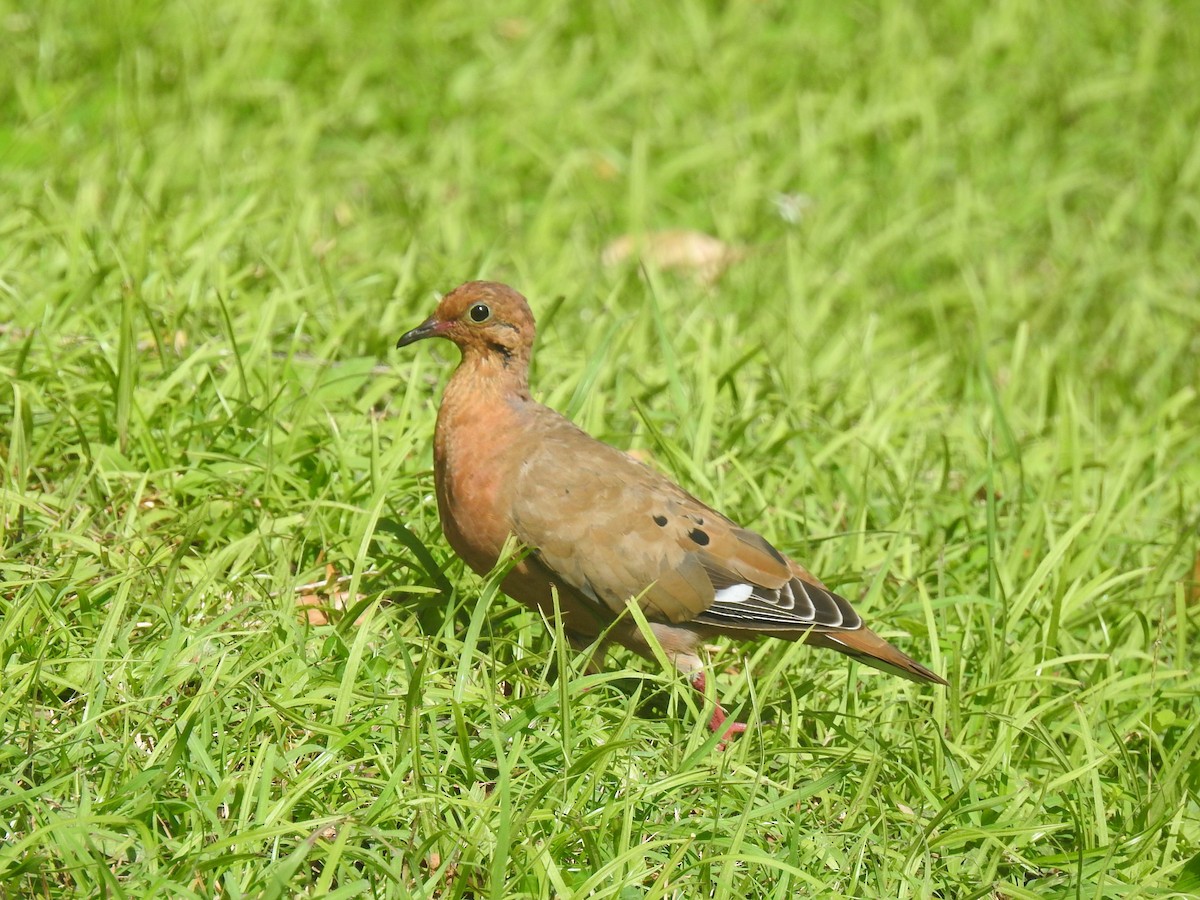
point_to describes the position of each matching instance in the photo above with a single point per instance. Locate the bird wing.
(613, 529)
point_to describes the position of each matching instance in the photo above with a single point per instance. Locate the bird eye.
(480, 313)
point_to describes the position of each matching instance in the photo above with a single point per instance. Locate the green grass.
(963, 388)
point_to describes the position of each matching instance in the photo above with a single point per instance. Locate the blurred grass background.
(954, 370)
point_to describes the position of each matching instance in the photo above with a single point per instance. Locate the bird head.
(484, 319)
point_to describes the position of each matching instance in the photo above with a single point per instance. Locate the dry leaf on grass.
(678, 250)
(323, 598)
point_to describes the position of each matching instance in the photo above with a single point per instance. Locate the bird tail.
(870, 649)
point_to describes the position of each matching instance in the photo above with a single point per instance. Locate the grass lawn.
(954, 368)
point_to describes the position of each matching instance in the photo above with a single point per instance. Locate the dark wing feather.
(797, 605)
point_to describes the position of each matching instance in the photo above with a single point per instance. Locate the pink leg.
(719, 716)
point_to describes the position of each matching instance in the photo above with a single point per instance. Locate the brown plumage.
(602, 528)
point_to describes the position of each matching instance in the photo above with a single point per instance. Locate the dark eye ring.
(480, 313)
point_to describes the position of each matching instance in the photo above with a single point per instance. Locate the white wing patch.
(735, 593)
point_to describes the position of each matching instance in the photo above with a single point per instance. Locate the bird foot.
(719, 723)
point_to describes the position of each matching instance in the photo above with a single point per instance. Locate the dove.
(600, 529)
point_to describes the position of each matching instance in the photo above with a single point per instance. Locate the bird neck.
(482, 412)
(488, 377)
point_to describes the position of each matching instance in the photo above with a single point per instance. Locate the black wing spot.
(700, 537)
(660, 521)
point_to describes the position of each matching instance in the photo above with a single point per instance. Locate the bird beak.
(431, 327)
